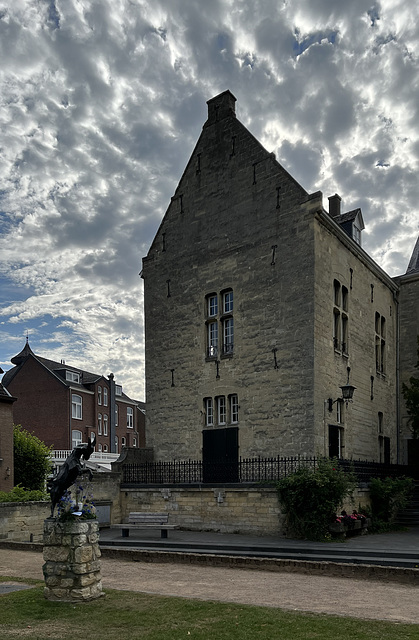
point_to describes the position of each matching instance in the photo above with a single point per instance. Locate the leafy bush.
(31, 459)
(411, 397)
(310, 498)
(19, 494)
(388, 497)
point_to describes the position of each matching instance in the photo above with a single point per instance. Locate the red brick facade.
(63, 405)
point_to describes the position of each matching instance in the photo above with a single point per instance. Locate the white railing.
(59, 455)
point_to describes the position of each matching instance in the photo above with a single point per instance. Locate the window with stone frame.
(219, 323)
(340, 317)
(220, 411)
(380, 343)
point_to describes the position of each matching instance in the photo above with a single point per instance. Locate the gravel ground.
(319, 594)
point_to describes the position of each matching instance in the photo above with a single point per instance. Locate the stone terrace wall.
(23, 521)
(228, 510)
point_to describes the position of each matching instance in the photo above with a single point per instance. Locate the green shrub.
(19, 494)
(310, 498)
(388, 497)
(32, 459)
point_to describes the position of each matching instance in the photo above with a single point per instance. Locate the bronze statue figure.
(69, 472)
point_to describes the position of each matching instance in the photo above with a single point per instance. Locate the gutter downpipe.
(398, 426)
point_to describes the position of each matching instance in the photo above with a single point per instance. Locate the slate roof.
(58, 369)
(413, 266)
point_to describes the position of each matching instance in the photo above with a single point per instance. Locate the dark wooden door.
(220, 455)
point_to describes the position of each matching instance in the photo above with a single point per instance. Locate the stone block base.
(72, 564)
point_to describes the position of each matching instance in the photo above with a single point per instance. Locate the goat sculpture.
(72, 468)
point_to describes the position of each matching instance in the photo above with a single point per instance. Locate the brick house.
(260, 305)
(6, 439)
(64, 405)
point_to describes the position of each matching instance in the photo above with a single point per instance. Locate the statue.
(69, 472)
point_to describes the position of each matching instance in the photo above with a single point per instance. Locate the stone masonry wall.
(23, 521)
(247, 511)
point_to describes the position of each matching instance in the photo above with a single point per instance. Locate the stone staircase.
(410, 516)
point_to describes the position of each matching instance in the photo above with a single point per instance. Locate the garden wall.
(23, 521)
(228, 510)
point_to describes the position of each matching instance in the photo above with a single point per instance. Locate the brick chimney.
(222, 106)
(334, 205)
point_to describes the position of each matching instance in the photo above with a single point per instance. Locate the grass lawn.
(124, 615)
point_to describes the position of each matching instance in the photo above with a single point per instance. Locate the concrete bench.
(139, 520)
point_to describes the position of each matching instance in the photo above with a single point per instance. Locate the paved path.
(319, 594)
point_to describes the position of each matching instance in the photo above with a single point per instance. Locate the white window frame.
(134, 441)
(234, 408)
(99, 447)
(118, 390)
(212, 305)
(221, 410)
(228, 302)
(99, 424)
(209, 412)
(213, 339)
(72, 376)
(123, 442)
(130, 418)
(105, 448)
(99, 395)
(228, 331)
(105, 425)
(105, 396)
(76, 406)
(116, 444)
(76, 438)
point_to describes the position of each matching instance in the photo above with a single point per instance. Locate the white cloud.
(101, 103)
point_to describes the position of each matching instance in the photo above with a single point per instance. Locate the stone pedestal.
(72, 565)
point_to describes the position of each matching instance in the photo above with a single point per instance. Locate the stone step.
(360, 556)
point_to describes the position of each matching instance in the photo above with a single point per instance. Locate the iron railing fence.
(245, 470)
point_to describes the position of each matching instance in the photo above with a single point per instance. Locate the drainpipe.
(398, 426)
(112, 430)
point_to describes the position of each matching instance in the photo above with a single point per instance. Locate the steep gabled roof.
(57, 369)
(413, 266)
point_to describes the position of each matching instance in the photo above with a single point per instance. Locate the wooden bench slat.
(145, 520)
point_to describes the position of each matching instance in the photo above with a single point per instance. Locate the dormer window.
(72, 376)
(118, 390)
(356, 233)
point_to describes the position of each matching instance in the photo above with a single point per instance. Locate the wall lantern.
(347, 392)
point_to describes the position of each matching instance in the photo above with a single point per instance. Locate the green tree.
(411, 398)
(32, 459)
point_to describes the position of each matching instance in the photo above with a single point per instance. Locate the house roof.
(86, 378)
(413, 266)
(350, 216)
(4, 394)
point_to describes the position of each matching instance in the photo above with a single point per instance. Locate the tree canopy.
(32, 459)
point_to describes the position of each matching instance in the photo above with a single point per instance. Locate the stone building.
(259, 306)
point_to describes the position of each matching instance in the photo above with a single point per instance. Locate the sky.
(102, 102)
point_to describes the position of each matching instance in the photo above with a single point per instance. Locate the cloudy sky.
(101, 103)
